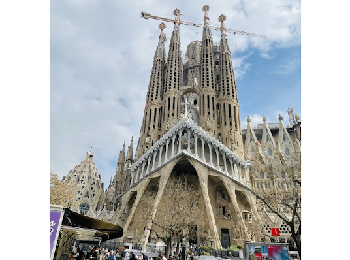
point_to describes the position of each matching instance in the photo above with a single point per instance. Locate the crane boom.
(147, 16)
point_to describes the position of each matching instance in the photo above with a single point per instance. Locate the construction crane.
(205, 9)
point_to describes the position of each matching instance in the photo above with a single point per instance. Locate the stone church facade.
(192, 124)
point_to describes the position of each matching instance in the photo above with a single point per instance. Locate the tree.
(285, 201)
(178, 211)
(62, 193)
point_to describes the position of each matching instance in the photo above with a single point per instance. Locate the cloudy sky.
(101, 55)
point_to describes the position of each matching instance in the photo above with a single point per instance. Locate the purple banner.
(54, 223)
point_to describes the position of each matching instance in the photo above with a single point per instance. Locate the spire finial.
(248, 119)
(177, 19)
(222, 18)
(264, 118)
(161, 26)
(280, 117)
(297, 118)
(205, 9)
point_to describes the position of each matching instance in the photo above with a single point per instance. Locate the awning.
(104, 230)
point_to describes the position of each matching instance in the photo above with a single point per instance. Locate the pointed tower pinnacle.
(205, 9)
(207, 117)
(173, 77)
(152, 118)
(177, 19)
(121, 159)
(129, 155)
(229, 106)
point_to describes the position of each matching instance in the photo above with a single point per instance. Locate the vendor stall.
(74, 227)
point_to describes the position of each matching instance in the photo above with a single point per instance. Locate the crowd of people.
(97, 253)
(93, 253)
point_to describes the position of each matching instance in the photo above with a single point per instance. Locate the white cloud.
(101, 58)
(289, 66)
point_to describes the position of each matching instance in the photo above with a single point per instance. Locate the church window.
(84, 208)
(286, 151)
(284, 137)
(262, 175)
(86, 195)
(269, 152)
(283, 175)
(267, 138)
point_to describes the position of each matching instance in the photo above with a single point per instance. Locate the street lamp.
(183, 253)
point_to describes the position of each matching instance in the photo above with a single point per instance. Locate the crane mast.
(221, 19)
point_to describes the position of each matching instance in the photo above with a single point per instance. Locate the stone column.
(203, 157)
(224, 156)
(232, 171)
(195, 146)
(239, 174)
(132, 178)
(148, 164)
(166, 151)
(160, 156)
(154, 158)
(230, 187)
(188, 141)
(180, 136)
(143, 169)
(140, 192)
(217, 159)
(164, 176)
(137, 177)
(203, 181)
(211, 154)
(173, 146)
(245, 176)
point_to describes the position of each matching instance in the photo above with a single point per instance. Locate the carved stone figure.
(209, 126)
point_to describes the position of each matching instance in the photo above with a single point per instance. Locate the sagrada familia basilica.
(191, 124)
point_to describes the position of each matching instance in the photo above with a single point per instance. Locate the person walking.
(112, 256)
(133, 257)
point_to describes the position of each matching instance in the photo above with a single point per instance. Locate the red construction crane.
(205, 8)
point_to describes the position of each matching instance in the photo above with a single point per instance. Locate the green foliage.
(239, 247)
(206, 248)
(204, 253)
(188, 253)
(235, 248)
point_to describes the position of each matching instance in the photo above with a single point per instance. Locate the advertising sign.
(257, 252)
(55, 224)
(275, 231)
(278, 252)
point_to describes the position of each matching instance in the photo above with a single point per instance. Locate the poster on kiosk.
(56, 216)
(266, 251)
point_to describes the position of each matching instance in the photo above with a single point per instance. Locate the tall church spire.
(174, 78)
(207, 90)
(228, 108)
(152, 119)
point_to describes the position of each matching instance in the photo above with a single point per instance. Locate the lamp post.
(183, 253)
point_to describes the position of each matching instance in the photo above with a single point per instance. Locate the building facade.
(191, 125)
